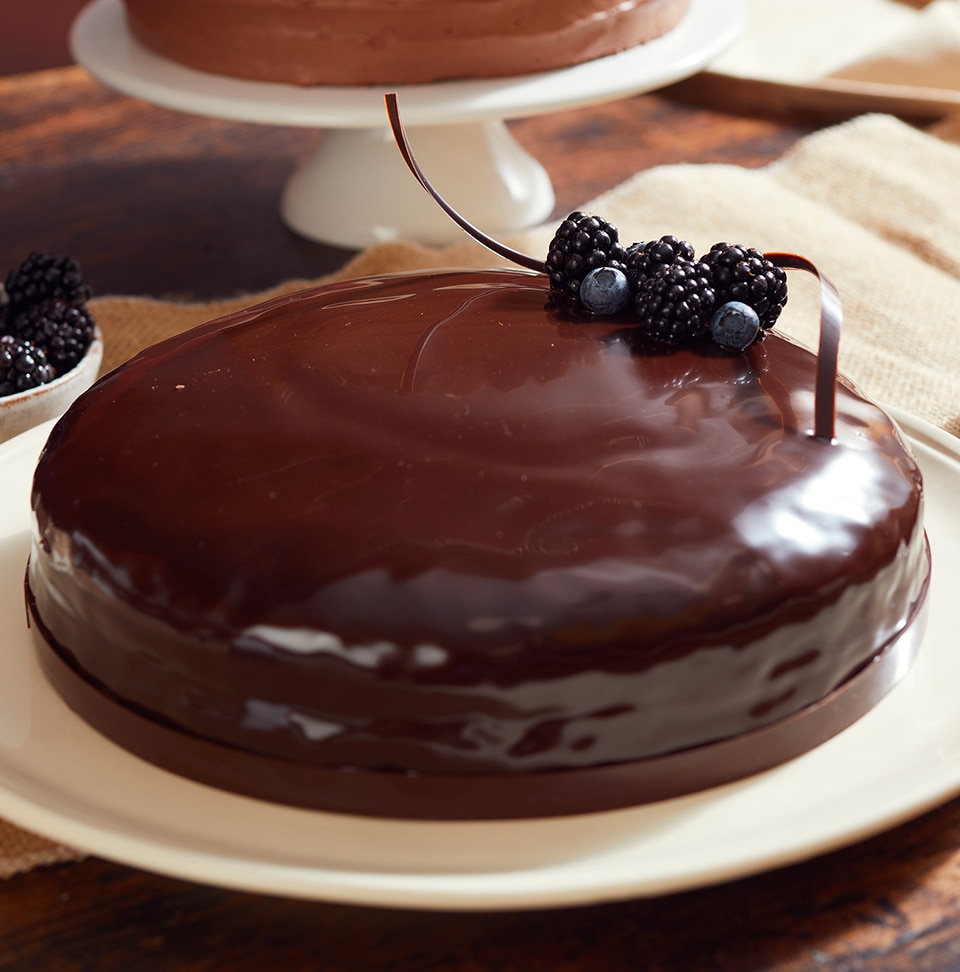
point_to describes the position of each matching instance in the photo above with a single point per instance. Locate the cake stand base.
(356, 190)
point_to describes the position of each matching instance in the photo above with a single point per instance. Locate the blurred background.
(29, 42)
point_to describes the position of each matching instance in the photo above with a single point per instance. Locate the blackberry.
(43, 276)
(743, 274)
(675, 303)
(22, 365)
(582, 243)
(63, 330)
(643, 258)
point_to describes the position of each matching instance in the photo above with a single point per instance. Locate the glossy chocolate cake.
(423, 545)
(363, 42)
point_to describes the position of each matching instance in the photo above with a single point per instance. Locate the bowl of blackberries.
(50, 347)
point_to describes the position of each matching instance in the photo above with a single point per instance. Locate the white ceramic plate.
(101, 43)
(61, 779)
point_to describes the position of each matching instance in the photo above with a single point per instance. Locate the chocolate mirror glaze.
(424, 523)
(483, 796)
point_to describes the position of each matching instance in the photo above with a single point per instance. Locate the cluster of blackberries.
(45, 326)
(733, 292)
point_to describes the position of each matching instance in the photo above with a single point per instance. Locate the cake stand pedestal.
(355, 190)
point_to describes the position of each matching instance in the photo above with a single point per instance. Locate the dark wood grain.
(155, 202)
(888, 904)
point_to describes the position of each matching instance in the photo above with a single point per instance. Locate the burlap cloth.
(873, 202)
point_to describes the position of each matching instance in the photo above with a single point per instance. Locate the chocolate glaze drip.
(421, 523)
(483, 796)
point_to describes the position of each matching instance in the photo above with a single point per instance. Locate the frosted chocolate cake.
(362, 42)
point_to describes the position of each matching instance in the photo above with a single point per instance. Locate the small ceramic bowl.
(35, 405)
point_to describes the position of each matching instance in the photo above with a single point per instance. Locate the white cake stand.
(355, 190)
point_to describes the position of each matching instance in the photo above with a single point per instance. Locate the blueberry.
(605, 290)
(735, 326)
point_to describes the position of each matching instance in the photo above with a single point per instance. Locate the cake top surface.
(452, 448)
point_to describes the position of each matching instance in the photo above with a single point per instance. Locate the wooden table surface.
(155, 202)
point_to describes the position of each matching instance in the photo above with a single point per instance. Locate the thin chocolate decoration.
(521, 259)
(831, 320)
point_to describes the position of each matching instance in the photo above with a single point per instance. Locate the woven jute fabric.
(874, 203)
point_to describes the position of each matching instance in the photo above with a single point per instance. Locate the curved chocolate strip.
(481, 796)
(831, 320)
(521, 259)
